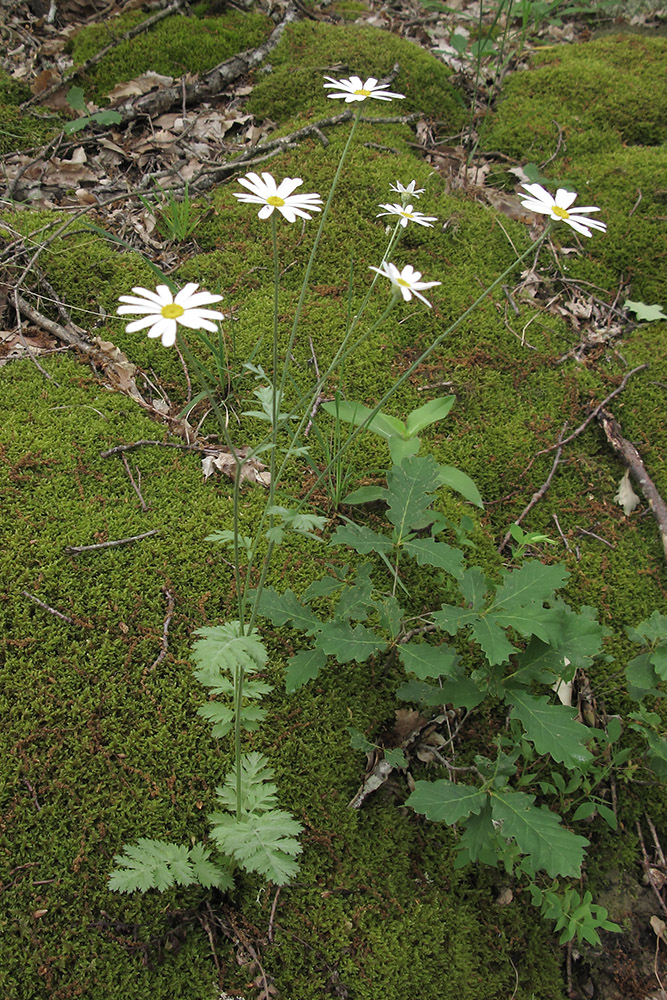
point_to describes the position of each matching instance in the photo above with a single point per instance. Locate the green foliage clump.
(309, 51)
(23, 130)
(173, 47)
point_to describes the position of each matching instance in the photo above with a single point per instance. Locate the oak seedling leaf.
(538, 833)
(551, 728)
(445, 802)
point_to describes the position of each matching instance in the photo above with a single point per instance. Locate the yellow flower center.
(363, 93)
(275, 201)
(408, 215)
(402, 281)
(560, 212)
(172, 311)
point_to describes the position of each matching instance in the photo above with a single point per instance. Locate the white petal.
(538, 192)
(164, 326)
(250, 198)
(195, 321)
(583, 210)
(565, 198)
(166, 298)
(577, 226)
(354, 83)
(269, 184)
(146, 307)
(425, 301)
(151, 296)
(371, 83)
(169, 336)
(183, 297)
(201, 299)
(266, 211)
(201, 314)
(405, 292)
(536, 206)
(141, 324)
(287, 186)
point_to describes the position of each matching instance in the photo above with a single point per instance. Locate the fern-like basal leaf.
(539, 834)
(551, 728)
(443, 801)
(209, 873)
(303, 667)
(533, 583)
(339, 639)
(226, 648)
(361, 539)
(428, 552)
(263, 842)
(151, 864)
(427, 661)
(286, 607)
(258, 793)
(408, 489)
(222, 717)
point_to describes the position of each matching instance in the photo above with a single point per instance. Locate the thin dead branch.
(628, 454)
(537, 496)
(72, 550)
(46, 607)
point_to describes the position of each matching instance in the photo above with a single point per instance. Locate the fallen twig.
(629, 454)
(648, 869)
(537, 496)
(46, 607)
(120, 448)
(75, 549)
(165, 631)
(135, 486)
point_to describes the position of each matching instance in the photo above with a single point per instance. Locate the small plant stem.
(425, 354)
(194, 362)
(238, 704)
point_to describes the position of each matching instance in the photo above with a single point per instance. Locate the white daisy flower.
(408, 215)
(407, 281)
(165, 311)
(559, 210)
(265, 192)
(354, 90)
(411, 191)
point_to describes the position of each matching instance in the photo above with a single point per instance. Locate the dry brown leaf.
(252, 470)
(44, 80)
(659, 927)
(139, 85)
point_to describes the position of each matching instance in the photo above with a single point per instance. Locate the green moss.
(607, 107)
(23, 130)
(173, 47)
(293, 82)
(12, 91)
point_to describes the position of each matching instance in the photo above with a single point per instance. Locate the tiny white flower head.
(411, 191)
(407, 281)
(559, 210)
(165, 311)
(265, 192)
(354, 90)
(408, 215)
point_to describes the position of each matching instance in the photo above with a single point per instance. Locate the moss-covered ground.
(100, 747)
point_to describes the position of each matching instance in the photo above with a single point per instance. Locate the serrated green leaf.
(300, 522)
(390, 614)
(408, 489)
(151, 864)
(339, 639)
(539, 834)
(76, 125)
(532, 583)
(324, 587)
(208, 873)
(303, 667)
(258, 792)
(361, 539)
(395, 757)
(444, 802)
(456, 480)
(76, 99)
(286, 607)
(575, 635)
(427, 661)
(551, 728)
(478, 841)
(428, 552)
(644, 313)
(264, 843)
(107, 117)
(653, 629)
(473, 586)
(492, 640)
(358, 741)
(459, 691)
(641, 677)
(226, 537)
(452, 619)
(355, 600)
(429, 413)
(226, 647)
(222, 717)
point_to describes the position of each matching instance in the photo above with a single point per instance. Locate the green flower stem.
(425, 354)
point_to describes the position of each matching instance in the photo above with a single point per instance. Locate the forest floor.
(112, 474)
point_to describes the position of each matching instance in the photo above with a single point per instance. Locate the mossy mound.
(292, 82)
(21, 129)
(595, 93)
(175, 46)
